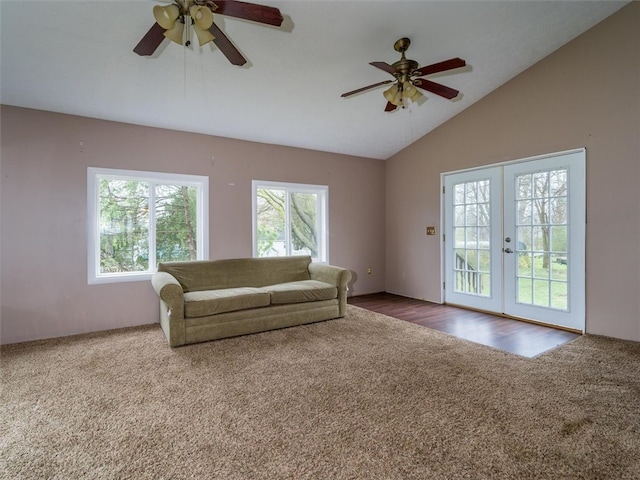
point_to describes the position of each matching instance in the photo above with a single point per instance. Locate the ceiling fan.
(407, 77)
(176, 20)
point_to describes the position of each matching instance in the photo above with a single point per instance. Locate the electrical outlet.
(369, 271)
(431, 230)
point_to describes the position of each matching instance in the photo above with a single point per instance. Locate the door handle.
(507, 250)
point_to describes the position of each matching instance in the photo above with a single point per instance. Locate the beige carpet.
(364, 397)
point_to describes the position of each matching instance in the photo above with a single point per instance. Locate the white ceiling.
(76, 57)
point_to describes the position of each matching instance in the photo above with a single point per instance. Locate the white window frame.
(94, 175)
(322, 191)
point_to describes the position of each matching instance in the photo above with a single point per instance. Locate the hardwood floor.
(521, 338)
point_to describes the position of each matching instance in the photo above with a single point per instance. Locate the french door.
(514, 239)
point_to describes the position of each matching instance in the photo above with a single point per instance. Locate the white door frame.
(577, 221)
(472, 245)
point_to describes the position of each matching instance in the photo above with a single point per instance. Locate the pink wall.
(586, 94)
(44, 290)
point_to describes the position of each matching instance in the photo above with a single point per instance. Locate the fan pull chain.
(187, 31)
(184, 61)
(408, 132)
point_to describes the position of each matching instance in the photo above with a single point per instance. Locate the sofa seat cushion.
(301, 291)
(212, 302)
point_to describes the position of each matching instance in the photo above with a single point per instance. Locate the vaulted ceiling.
(76, 57)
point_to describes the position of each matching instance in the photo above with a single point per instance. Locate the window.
(137, 219)
(290, 219)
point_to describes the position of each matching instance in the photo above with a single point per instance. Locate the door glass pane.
(541, 238)
(523, 239)
(472, 237)
(541, 185)
(525, 264)
(559, 296)
(558, 183)
(471, 214)
(540, 266)
(523, 187)
(483, 214)
(524, 290)
(558, 239)
(541, 293)
(472, 259)
(484, 286)
(542, 231)
(541, 211)
(524, 212)
(458, 194)
(458, 234)
(484, 261)
(471, 189)
(558, 210)
(559, 265)
(484, 238)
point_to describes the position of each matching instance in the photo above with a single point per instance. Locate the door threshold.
(519, 319)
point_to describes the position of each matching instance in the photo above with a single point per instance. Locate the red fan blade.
(390, 107)
(439, 67)
(151, 41)
(353, 92)
(384, 66)
(249, 11)
(436, 88)
(226, 47)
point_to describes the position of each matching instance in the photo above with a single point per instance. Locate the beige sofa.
(211, 299)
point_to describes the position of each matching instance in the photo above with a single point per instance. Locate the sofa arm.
(168, 288)
(330, 274)
(171, 297)
(337, 276)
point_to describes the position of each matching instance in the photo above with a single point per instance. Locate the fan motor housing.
(405, 66)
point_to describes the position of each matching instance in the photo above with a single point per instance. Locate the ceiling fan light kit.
(173, 18)
(202, 21)
(406, 74)
(176, 33)
(402, 94)
(166, 16)
(176, 20)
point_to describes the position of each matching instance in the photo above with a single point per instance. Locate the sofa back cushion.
(238, 272)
